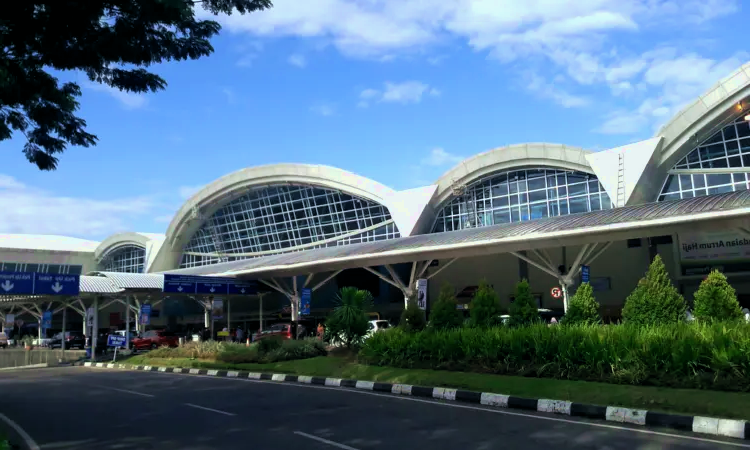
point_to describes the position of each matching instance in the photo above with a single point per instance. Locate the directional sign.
(188, 284)
(115, 340)
(33, 283)
(585, 273)
(305, 299)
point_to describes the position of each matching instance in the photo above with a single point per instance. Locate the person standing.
(240, 335)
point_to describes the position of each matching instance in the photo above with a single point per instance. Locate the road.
(76, 407)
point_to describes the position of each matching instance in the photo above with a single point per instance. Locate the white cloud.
(439, 157)
(188, 191)
(550, 90)
(229, 94)
(297, 60)
(30, 210)
(590, 42)
(248, 51)
(324, 109)
(128, 100)
(407, 92)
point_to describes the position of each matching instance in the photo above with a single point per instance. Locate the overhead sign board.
(305, 300)
(33, 283)
(145, 317)
(189, 284)
(585, 274)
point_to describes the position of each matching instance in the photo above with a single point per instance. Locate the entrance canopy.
(715, 212)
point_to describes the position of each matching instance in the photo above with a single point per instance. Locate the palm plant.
(348, 322)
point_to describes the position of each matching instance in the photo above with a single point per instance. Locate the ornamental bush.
(716, 300)
(523, 310)
(444, 314)
(348, 321)
(412, 318)
(485, 305)
(655, 300)
(583, 309)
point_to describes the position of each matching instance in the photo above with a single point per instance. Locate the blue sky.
(398, 91)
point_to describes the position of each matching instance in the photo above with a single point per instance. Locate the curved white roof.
(47, 242)
(508, 158)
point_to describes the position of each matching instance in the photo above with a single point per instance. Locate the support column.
(64, 323)
(95, 328)
(417, 271)
(127, 322)
(260, 311)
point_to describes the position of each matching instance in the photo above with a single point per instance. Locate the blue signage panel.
(585, 274)
(115, 340)
(33, 283)
(304, 300)
(46, 320)
(53, 284)
(189, 284)
(145, 318)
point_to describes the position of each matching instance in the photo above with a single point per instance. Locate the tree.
(485, 306)
(583, 307)
(444, 314)
(109, 41)
(348, 322)
(412, 318)
(655, 300)
(715, 299)
(523, 310)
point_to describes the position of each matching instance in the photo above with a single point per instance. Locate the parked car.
(280, 331)
(3, 340)
(155, 339)
(73, 340)
(376, 325)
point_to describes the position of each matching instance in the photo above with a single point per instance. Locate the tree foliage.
(655, 300)
(112, 42)
(444, 314)
(412, 318)
(716, 300)
(583, 307)
(348, 320)
(485, 306)
(523, 310)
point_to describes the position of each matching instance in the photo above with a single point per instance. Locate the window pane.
(536, 183)
(579, 205)
(686, 182)
(536, 196)
(576, 189)
(672, 184)
(715, 179)
(538, 210)
(730, 132)
(595, 203)
(699, 181)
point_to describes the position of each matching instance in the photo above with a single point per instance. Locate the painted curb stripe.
(738, 429)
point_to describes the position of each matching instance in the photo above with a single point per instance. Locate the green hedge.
(699, 355)
(265, 351)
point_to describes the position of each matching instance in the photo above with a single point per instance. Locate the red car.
(279, 331)
(155, 339)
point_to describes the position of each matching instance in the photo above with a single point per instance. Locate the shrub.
(264, 351)
(348, 321)
(412, 318)
(583, 308)
(715, 299)
(687, 355)
(269, 344)
(485, 305)
(655, 300)
(523, 310)
(299, 349)
(444, 314)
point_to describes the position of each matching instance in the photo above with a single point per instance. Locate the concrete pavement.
(74, 407)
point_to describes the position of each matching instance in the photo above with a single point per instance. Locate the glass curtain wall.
(279, 219)
(130, 259)
(727, 149)
(520, 195)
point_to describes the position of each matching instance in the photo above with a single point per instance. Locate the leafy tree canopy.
(111, 41)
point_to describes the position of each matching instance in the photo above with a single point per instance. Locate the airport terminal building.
(538, 211)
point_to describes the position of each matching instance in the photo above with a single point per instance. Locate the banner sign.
(217, 308)
(305, 299)
(714, 247)
(422, 293)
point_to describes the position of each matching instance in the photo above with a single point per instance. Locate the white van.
(3, 340)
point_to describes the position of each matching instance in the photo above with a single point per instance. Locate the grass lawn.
(684, 401)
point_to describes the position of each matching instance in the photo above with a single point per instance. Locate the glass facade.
(522, 195)
(130, 259)
(279, 219)
(63, 269)
(727, 149)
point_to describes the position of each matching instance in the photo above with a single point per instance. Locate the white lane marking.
(124, 391)
(210, 409)
(324, 441)
(490, 410)
(30, 443)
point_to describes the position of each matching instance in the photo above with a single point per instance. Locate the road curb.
(738, 429)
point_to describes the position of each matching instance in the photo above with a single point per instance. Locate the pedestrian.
(240, 334)
(321, 331)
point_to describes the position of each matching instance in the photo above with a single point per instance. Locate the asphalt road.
(76, 408)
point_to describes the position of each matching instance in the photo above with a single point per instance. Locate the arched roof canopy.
(119, 240)
(705, 116)
(512, 157)
(222, 191)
